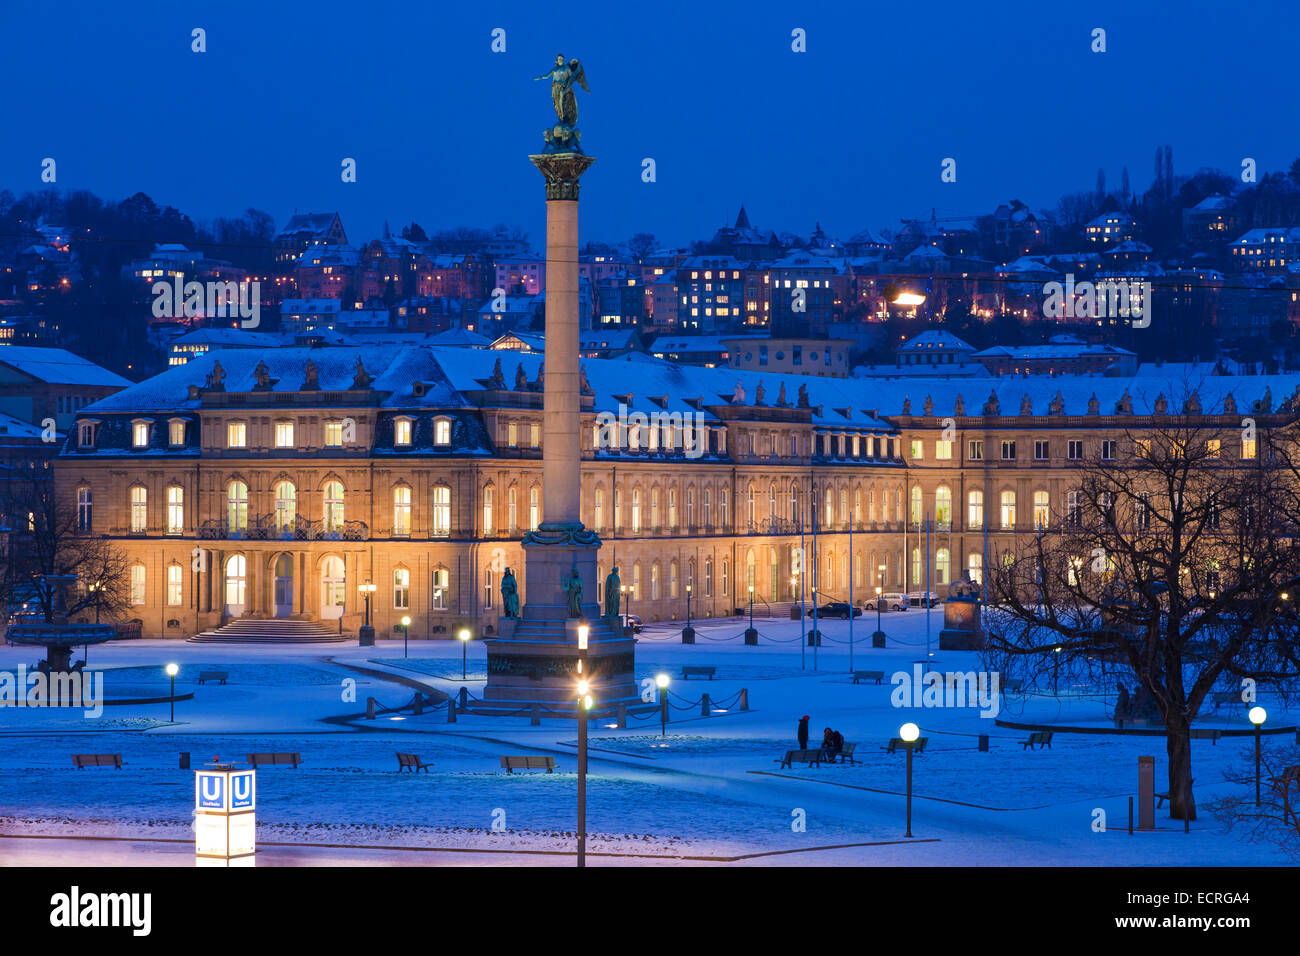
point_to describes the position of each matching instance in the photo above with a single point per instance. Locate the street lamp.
(366, 590)
(1257, 717)
(406, 629)
(627, 611)
(688, 605)
(661, 681)
(878, 639)
(584, 704)
(751, 607)
(172, 670)
(909, 732)
(366, 638)
(464, 649)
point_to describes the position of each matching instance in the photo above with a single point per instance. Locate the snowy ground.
(709, 792)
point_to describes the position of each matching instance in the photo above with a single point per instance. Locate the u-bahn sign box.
(225, 805)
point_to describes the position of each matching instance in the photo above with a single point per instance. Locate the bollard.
(622, 716)
(751, 636)
(1147, 793)
(814, 639)
(1130, 816)
(744, 698)
(984, 743)
(451, 711)
(464, 700)
(704, 706)
(418, 707)
(1187, 824)
(537, 716)
(370, 708)
(688, 635)
(185, 760)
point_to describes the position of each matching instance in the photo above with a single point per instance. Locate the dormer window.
(402, 431)
(139, 434)
(442, 432)
(176, 432)
(86, 434)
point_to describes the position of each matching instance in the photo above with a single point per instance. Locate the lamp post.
(366, 637)
(688, 605)
(815, 638)
(463, 634)
(661, 681)
(909, 732)
(406, 629)
(1257, 717)
(172, 670)
(622, 590)
(584, 704)
(878, 639)
(751, 607)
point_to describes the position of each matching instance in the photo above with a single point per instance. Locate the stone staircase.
(246, 630)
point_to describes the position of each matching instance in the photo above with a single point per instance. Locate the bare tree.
(1174, 565)
(45, 538)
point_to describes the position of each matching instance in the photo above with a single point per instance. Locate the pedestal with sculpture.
(962, 628)
(535, 659)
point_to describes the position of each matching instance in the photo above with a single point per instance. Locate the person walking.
(803, 732)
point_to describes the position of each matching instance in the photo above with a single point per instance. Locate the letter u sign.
(212, 791)
(241, 791)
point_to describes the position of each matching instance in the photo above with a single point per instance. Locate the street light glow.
(1257, 715)
(172, 670)
(661, 680)
(909, 732)
(463, 634)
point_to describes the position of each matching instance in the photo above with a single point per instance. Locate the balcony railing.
(267, 528)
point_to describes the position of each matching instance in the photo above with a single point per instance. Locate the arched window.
(750, 508)
(706, 511)
(333, 587)
(916, 567)
(489, 496)
(708, 577)
(975, 510)
(975, 564)
(654, 581)
(672, 579)
(175, 584)
(512, 508)
(795, 514)
(286, 505)
(751, 569)
(1008, 510)
(401, 589)
(402, 511)
(139, 509)
(724, 507)
(175, 509)
(85, 509)
(690, 506)
(672, 509)
(636, 510)
(654, 509)
(1042, 510)
(236, 583)
(332, 513)
(942, 564)
(915, 517)
(829, 507)
(636, 581)
(442, 432)
(598, 509)
(441, 525)
(771, 501)
(236, 509)
(844, 506)
(534, 507)
(943, 507)
(137, 584)
(441, 585)
(725, 580)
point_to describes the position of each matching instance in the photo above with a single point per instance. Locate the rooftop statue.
(564, 136)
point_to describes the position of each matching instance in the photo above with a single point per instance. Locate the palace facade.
(273, 484)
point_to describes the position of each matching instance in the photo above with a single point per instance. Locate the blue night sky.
(850, 133)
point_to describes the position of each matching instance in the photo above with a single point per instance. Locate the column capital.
(562, 172)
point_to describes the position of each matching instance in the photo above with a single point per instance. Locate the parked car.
(838, 609)
(919, 598)
(634, 622)
(890, 601)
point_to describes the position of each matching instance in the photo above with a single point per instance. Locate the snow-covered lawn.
(711, 788)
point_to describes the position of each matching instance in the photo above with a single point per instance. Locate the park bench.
(1206, 733)
(898, 743)
(689, 672)
(81, 761)
(845, 755)
(271, 760)
(1012, 686)
(411, 762)
(1038, 739)
(218, 676)
(809, 757)
(528, 762)
(1291, 775)
(1221, 697)
(859, 676)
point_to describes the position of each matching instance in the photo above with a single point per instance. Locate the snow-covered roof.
(58, 367)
